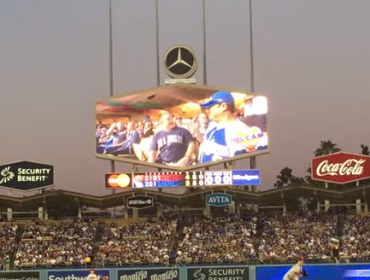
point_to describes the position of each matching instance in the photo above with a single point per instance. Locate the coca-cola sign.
(341, 168)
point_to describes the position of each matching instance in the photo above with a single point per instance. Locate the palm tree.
(365, 150)
(308, 177)
(286, 178)
(326, 147)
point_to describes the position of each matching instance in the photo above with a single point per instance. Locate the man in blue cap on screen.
(224, 138)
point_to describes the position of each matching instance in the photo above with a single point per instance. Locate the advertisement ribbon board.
(149, 274)
(20, 275)
(219, 273)
(81, 274)
(182, 179)
(317, 272)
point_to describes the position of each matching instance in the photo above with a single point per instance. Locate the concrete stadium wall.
(222, 272)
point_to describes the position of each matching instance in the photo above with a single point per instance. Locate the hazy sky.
(310, 58)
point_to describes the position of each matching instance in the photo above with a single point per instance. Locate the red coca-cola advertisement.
(340, 168)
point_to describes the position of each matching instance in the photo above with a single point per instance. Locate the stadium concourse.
(64, 229)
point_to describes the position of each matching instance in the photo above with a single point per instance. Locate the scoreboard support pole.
(229, 165)
(160, 170)
(125, 204)
(111, 79)
(135, 211)
(232, 209)
(113, 170)
(253, 160)
(253, 165)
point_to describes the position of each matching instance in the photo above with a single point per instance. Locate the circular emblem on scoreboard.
(226, 179)
(218, 179)
(209, 180)
(180, 62)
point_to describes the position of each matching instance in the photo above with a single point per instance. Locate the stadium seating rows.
(222, 239)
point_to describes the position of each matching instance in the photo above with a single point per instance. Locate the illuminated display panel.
(317, 272)
(182, 179)
(182, 127)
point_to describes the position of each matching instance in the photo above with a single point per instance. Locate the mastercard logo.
(119, 181)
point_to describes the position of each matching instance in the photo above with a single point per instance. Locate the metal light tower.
(111, 76)
(253, 160)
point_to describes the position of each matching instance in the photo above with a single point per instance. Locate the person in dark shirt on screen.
(171, 145)
(125, 147)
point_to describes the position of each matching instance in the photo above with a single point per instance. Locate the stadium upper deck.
(54, 202)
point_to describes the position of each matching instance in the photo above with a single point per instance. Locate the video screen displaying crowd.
(224, 132)
(135, 139)
(187, 239)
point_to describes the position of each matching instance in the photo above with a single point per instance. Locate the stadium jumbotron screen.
(182, 127)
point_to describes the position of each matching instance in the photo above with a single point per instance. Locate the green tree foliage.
(365, 150)
(326, 148)
(286, 178)
(309, 180)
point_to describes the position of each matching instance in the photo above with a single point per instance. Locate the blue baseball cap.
(219, 98)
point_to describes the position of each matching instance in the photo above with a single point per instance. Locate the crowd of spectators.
(234, 239)
(183, 239)
(143, 242)
(52, 243)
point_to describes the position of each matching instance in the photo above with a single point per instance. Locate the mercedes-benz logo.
(180, 62)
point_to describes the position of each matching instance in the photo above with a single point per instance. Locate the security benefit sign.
(219, 199)
(80, 274)
(218, 273)
(26, 175)
(149, 274)
(20, 275)
(140, 202)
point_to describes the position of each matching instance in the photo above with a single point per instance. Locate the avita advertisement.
(219, 199)
(26, 175)
(181, 128)
(219, 273)
(74, 274)
(340, 168)
(149, 274)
